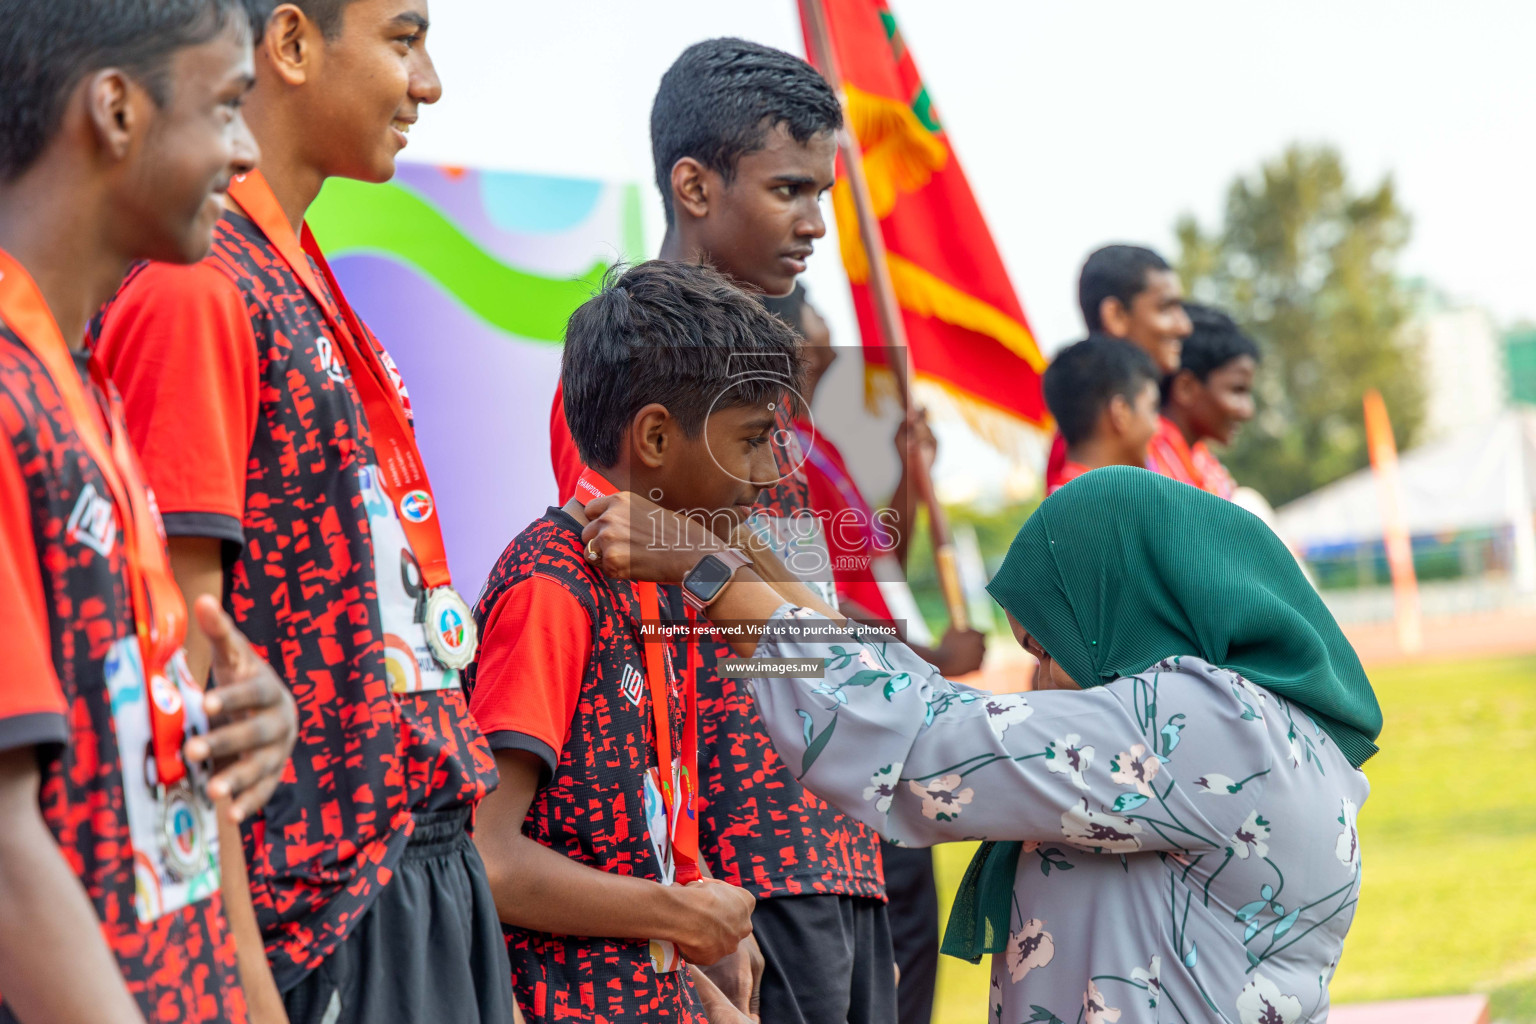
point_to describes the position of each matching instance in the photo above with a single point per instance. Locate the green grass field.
(1449, 842)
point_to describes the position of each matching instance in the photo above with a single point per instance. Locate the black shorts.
(829, 960)
(429, 950)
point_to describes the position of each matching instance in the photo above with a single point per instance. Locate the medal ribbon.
(681, 807)
(394, 443)
(159, 613)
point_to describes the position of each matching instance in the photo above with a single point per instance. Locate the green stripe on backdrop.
(389, 220)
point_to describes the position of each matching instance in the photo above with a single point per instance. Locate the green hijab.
(1122, 568)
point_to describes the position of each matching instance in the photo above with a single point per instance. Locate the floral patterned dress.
(1190, 850)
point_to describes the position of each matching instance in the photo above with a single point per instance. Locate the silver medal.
(183, 846)
(450, 629)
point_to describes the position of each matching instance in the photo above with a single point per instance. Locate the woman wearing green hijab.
(1172, 811)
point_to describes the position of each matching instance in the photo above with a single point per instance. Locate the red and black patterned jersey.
(251, 430)
(68, 615)
(758, 826)
(591, 806)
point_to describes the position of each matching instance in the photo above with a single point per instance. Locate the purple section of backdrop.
(481, 400)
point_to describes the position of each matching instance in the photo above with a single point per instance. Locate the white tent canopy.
(1481, 476)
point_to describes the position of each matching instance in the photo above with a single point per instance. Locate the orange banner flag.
(1394, 527)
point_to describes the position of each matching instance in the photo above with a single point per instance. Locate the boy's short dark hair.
(48, 46)
(674, 333)
(1115, 271)
(1215, 342)
(1085, 376)
(326, 14)
(720, 99)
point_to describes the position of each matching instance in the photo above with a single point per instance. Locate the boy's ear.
(290, 45)
(650, 436)
(690, 187)
(1118, 415)
(113, 113)
(1185, 388)
(1114, 317)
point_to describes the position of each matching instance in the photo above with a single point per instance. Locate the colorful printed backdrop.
(468, 278)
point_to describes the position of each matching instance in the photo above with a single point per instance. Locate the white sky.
(1078, 123)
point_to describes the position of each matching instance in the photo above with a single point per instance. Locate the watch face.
(707, 578)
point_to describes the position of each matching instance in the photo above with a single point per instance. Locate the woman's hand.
(631, 538)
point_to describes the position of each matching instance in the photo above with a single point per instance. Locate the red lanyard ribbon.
(394, 442)
(681, 806)
(159, 613)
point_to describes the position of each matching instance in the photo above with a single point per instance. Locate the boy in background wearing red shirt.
(856, 537)
(278, 436)
(670, 378)
(1128, 292)
(1208, 399)
(119, 126)
(1104, 395)
(856, 534)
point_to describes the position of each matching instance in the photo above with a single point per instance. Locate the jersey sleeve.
(533, 658)
(563, 456)
(178, 343)
(32, 707)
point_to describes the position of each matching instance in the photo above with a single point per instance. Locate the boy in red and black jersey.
(108, 833)
(278, 436)
(577, 839)
(744, 147)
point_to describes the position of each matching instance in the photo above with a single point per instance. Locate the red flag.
(965, 327)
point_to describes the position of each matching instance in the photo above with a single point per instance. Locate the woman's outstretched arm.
(886, 739)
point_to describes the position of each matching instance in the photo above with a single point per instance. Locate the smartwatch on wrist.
(706, 580)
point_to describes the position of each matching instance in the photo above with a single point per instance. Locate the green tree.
(1308, 266)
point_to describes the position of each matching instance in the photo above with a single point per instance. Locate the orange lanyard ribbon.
(401, 469)
(160, 614)
(681, 806)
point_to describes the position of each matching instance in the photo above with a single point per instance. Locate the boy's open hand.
(739, 976)
(718, 1009)
(718, 915)
(631, 538)
(254, 722)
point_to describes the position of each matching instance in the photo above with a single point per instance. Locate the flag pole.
(893, 331)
